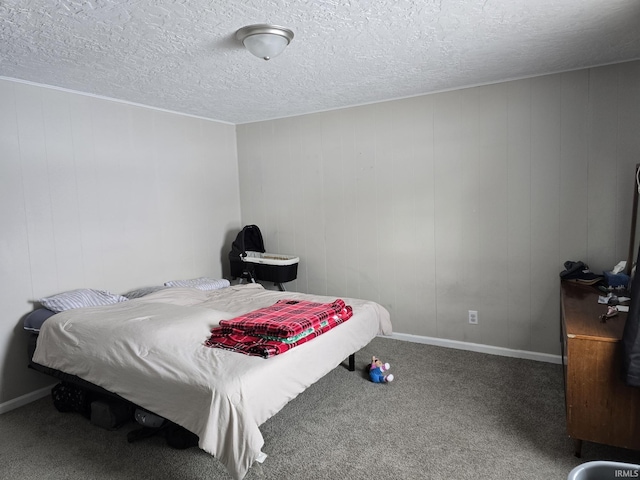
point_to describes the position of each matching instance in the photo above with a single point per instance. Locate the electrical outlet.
(473, 317)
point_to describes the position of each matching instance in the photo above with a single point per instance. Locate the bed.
(150, 351)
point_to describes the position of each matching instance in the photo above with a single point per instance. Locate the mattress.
(151, 352)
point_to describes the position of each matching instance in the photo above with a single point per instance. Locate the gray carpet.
(450, 414)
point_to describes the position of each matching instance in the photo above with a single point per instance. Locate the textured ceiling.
(181, 55)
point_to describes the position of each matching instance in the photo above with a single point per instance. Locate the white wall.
(433, 205)
(101, 194)
(465, 200)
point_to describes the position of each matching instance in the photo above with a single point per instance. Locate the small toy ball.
(377, 369)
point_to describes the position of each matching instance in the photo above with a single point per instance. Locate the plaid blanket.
(286, 318)
(261, 346)
(262, 334)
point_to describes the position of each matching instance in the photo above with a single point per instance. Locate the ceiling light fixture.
(265, 41)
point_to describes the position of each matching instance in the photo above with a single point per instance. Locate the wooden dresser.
(600, 407)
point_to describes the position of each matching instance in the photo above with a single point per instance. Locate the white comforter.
(150, 351)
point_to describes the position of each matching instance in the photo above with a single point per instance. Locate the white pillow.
(80, 298)
(141, 292)
(202, 283)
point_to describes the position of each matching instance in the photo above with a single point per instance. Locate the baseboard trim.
(478, 347)
(25, 399)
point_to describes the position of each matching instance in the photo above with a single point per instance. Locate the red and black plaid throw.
(262, 347)
(286, 318)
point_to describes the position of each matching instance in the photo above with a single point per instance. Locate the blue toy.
(377, 369)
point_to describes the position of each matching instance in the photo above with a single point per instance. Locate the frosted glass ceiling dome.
(265, 41)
